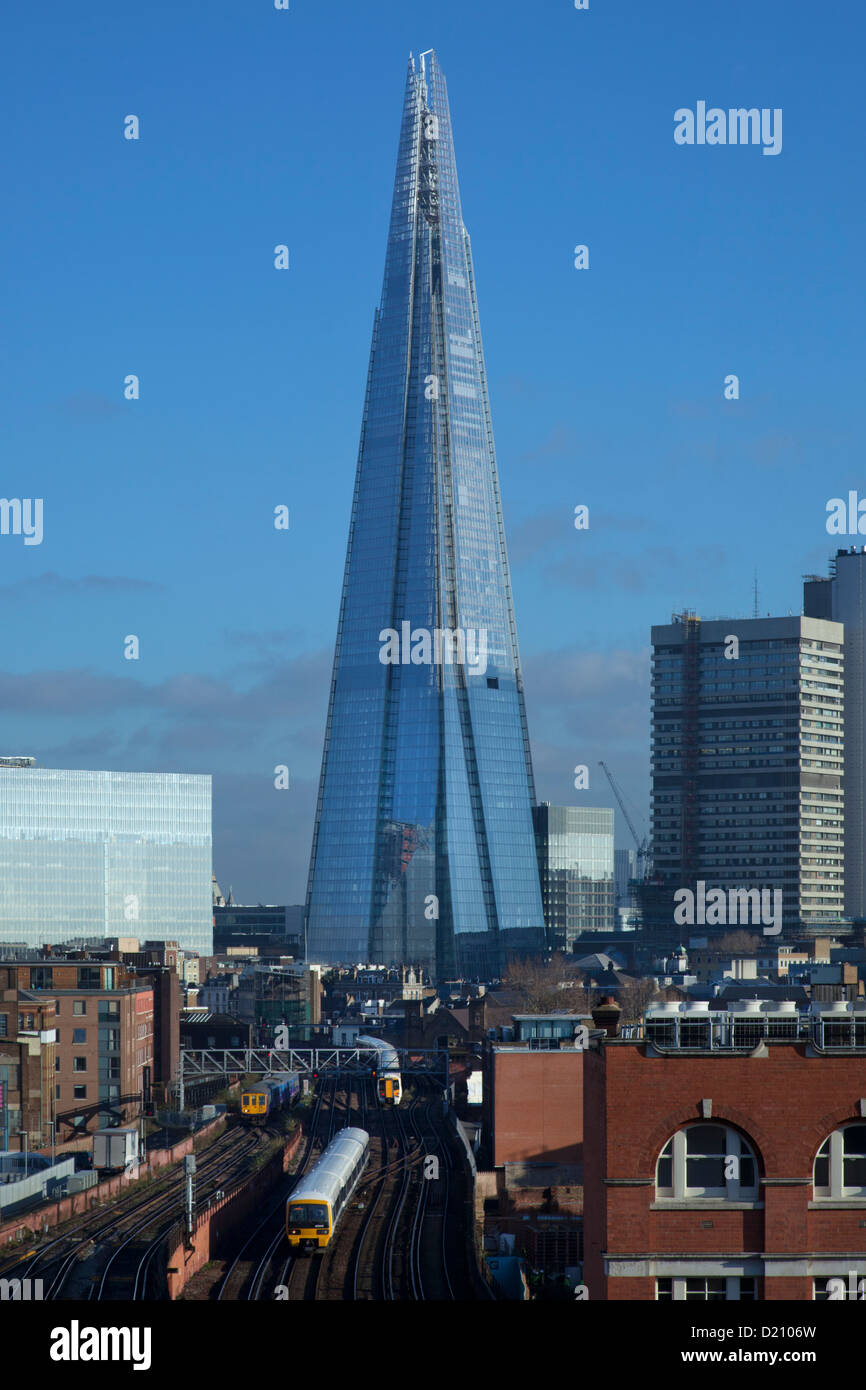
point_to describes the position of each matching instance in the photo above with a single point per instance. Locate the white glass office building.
(105, 854)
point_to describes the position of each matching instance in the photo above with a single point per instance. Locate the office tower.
(264, 926)
(423, 850)
(747, 767)
(95, 854)
(842, 599)
(575, 864)
(624, 873)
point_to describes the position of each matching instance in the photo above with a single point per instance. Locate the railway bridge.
(197, 1064)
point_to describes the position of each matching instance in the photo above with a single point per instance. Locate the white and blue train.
(320, 1198)
(276, 1091)
(387, 1068)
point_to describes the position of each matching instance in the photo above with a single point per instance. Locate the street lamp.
(26, 1135)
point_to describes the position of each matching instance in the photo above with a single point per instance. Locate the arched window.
(840, 1165)
(707, 1161)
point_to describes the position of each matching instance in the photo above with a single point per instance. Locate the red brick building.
(102, 1022)
(725, 1154)
(27, 1067)
(537, 1100)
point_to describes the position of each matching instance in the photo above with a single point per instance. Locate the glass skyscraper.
(86, 854)
(423, 849)
(576, 865)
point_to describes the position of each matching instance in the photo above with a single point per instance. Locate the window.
(79, 1006)
(707, 1161)
(79, 1092)
(79, 1035)
(4, 1025)
(840, 1165)
(57, 1059)
(79, 1064)
(89, 977)
(56, 1092)
(711, 1289)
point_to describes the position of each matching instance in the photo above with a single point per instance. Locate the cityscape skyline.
(433, 864)
(236, 620)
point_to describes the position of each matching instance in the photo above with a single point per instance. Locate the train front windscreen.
(306, 1216)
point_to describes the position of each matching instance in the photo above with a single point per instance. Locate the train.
(276, 1091)
(388, 1084)
(320, 1198)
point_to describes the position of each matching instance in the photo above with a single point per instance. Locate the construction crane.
(642, 844)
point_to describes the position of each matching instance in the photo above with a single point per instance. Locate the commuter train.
(276, 1091)
(387, 1070)
(321, 1197)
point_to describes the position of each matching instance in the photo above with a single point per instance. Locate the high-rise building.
(97, 854)
(575, 863)
(423, 850)
(842, 598)
(625, 870)
(747, 769)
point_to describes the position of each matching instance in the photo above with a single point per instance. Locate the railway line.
(260, 1264)
(97, 1257)
(395, 1241)
(400, 1238)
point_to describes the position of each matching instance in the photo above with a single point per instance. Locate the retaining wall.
(213, 1227)
(54, 1213)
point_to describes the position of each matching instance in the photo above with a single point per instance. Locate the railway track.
(69, 1263)
(260, 1264)
(402, 1237)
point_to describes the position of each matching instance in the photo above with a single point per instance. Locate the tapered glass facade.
(105, 854)
(423, 848)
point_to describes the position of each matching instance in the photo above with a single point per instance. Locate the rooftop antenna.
(755, 612)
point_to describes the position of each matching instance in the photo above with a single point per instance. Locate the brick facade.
(537, 1106)
(784, 1100)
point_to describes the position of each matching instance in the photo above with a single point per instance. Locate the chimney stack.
(606, 1015)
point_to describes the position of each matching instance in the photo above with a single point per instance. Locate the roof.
(326, 1178)
(597, 961)
(763, 989)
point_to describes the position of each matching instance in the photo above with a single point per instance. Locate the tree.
(635, 998)
(548, 986)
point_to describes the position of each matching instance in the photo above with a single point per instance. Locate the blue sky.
(155, 257)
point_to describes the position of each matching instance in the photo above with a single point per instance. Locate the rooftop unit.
(744, 1025)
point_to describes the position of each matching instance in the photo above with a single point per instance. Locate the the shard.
(423, 850)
